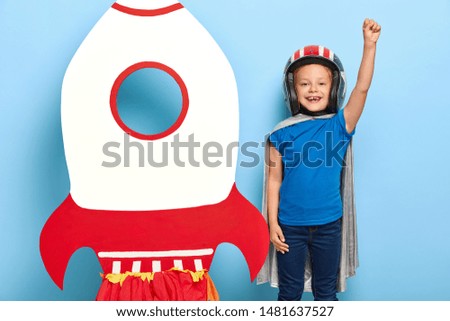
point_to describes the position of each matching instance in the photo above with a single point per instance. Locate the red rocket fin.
(56, 242)
(234, 220)
(249, 231)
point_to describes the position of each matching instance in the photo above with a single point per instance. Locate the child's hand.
(371, 31)
(277, 238)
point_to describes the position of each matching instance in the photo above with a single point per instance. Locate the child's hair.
(314, 55)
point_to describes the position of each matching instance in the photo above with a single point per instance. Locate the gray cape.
(349, 252)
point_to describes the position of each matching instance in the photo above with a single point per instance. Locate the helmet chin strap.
(305, 111)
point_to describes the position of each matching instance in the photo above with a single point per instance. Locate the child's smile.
(313, 99)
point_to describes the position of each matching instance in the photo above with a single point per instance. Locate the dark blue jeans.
(323, 243)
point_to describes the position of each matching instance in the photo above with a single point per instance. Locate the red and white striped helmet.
(314, 54)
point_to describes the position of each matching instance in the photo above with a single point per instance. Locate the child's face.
(313, 86)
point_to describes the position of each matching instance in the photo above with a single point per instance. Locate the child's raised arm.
(355, 105)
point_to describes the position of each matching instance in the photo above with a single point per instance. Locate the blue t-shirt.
(313, 154)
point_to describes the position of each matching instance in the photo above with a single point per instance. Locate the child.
(309, 187)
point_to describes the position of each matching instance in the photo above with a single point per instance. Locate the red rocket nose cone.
(147, 12)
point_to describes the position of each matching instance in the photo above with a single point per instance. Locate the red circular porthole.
(115, 108)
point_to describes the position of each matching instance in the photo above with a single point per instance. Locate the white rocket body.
(120, 40)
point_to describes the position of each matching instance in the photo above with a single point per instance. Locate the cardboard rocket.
(144, 218)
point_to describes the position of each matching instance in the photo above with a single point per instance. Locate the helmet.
(314, 55)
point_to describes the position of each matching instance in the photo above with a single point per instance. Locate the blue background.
(401, 146)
